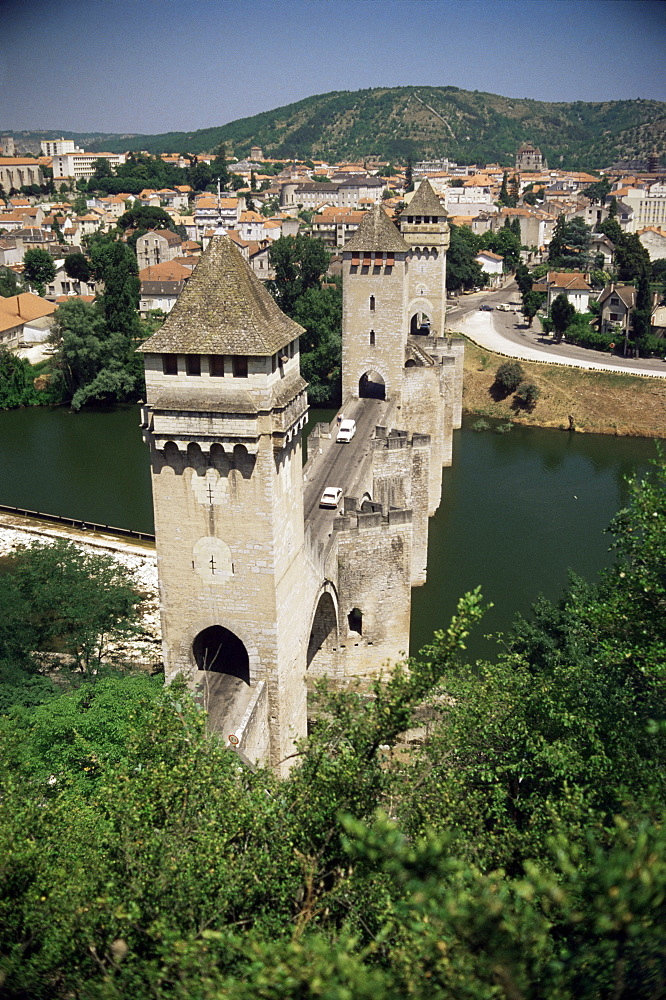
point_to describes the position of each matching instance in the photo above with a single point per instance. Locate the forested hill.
(424, 122)
(420, 122)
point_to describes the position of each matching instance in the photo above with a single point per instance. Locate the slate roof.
(377, 232)
(223, 309)
(424, 202)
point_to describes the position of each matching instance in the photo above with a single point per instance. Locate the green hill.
(426, 122)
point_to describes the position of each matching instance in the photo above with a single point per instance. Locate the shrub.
(509, 376)
(527, 394)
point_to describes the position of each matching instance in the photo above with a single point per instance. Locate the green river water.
(518, 509)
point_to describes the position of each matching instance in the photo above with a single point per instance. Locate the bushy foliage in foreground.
(519, 852)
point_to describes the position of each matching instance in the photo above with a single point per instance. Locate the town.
(588, 251)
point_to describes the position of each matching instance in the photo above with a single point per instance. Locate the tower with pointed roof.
(374, 331)
(224, 412)
(424, 228)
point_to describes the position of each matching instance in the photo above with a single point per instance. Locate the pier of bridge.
(262, 590)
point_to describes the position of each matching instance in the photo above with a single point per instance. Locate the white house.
(492, 265)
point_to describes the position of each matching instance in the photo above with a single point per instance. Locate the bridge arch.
(372, 385)
(420, 311)
(218, 650)
(324, 629)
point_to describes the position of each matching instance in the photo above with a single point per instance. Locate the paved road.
(506, 333)
(341, 464)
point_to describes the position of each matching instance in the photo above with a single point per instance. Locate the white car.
(330, 497)
(346, 430)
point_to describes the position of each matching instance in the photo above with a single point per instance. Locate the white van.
(346, 430)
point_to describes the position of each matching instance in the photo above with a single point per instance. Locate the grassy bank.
(599, 402)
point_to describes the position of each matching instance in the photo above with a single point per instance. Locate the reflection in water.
(517, 511)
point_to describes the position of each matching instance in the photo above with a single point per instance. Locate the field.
(599, 403)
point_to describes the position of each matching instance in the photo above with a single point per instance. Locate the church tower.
(225, 409)
(424, 228)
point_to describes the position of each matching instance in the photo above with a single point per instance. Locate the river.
(518, 509)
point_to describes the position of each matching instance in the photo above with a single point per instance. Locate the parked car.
(486, 308)
(331, 497)
(346, 430)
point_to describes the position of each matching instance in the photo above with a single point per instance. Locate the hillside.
(421, 122)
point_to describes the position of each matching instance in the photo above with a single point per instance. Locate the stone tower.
(374, 328)
(225, 408)
(424, 228)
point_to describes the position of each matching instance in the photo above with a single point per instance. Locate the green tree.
(39, 268)
(527, 394)
(523, 279)
(570, 244)
(145, 217)
(508, 376)
(319, 311)
(9, 284)
(77, 266)
(16, 381)
(120, 300)
(219, 169)
(81, 600)
(562, 313)
(409, 176)
(102, 168)
(462, 270)
(299, 262)
(532, 302)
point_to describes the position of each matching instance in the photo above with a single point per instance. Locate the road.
(507, 333)
(341, 465)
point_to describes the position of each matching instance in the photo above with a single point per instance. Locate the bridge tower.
(374, 329)
(424, 228)
(225, 408)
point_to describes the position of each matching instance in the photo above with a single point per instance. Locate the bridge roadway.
(345, 465)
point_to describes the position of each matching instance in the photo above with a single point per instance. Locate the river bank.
(598, 402)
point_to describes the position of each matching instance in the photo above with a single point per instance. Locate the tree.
(523, 279)
(9, 284)
(299, 262)
(409, 176)
(527, 394)
(462, 270)
(145, 217)
(16, 381)
(102, 168)
(562, 313)
(504, 242)
(532, 302)
(570, 244)
(38, 268)
(509, 375)
(219, 169)
(120, 301)
(598, 191)
(79, 599)
(319, 311)
(77, 267)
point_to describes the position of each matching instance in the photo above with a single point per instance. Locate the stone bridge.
(261, 590)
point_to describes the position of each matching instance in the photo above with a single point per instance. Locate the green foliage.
(78, 601)
(504, 242)
(9, 284)
(581, 331)
(525, 856)
(570, 244)
(527, 395)
(319, 311)
(299, 262)
(508, 376)
(145, 217)
(562, 313)
(92, 363)
(523, 279)
(77, 266)
(462, 270)
(38, 268)
(532, 302)
(16, 382)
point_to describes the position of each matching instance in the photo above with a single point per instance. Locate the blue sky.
(161, 65)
